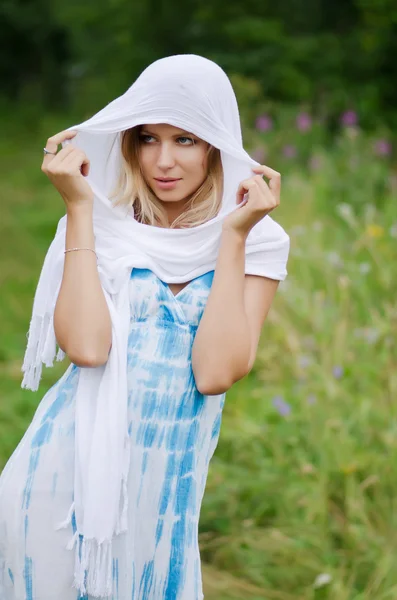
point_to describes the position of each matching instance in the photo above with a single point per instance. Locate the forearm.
(81, 320)
(221, 348)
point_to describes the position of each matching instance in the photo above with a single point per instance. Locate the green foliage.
(331, 56)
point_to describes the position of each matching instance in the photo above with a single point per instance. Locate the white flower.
(334, 259)
(322, 580)
(344, 209)
(346, 212)
(364, 268)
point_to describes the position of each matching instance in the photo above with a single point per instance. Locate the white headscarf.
(195, 94)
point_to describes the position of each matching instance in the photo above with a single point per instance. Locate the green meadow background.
(300, 502)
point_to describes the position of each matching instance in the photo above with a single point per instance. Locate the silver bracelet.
(73, 249)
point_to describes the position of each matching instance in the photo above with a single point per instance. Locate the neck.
(174, 209)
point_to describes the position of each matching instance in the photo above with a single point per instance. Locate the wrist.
(234, 235)
(80, 208)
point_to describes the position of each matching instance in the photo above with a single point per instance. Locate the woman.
(157, 291)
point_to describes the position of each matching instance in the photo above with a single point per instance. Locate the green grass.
(304, 479)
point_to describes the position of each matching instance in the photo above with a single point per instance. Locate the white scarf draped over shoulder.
(192, 93)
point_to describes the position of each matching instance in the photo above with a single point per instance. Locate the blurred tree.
(34, 52)
(330, 56)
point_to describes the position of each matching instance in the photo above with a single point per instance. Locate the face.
(167, 152)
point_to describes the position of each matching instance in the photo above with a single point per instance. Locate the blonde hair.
(131, 188)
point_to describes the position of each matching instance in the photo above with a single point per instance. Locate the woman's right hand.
(66, 170)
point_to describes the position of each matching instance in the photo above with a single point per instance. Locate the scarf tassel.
(41, 348)
(93, 572)
(97, 562)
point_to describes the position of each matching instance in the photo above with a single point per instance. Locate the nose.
(165, 158)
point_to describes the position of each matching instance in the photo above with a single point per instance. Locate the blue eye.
(187, 138)
(144, 138)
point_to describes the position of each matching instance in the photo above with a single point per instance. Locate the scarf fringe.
(41, 349)
(93, 572)
(93, 567)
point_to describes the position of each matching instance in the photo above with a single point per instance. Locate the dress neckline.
(183, 290)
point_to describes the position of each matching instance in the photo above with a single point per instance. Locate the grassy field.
(301, 496)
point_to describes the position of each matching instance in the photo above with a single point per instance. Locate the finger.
(55, 160)
(274, 180)
(244, 187)
(77, 160)
(266, 170)
(263, 185)
(272, 194)
(54, 141)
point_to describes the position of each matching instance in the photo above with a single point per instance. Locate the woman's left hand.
(261, 199)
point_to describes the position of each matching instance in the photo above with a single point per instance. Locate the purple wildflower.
(349, 118)
(304, 122)
(259, 154)
(315, 163)
(281, 406)
(289, 151)
(304, 360)
(337, 371)
(382, 148)
(371, 334)
(264, 123)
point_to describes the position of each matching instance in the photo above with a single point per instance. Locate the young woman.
(156, 286)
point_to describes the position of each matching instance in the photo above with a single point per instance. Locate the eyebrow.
(182, 132)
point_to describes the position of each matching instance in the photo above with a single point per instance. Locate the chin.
(167, 197)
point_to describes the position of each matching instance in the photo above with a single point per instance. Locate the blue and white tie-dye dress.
(174, 431)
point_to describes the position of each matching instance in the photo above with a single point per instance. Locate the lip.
(166, 185)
